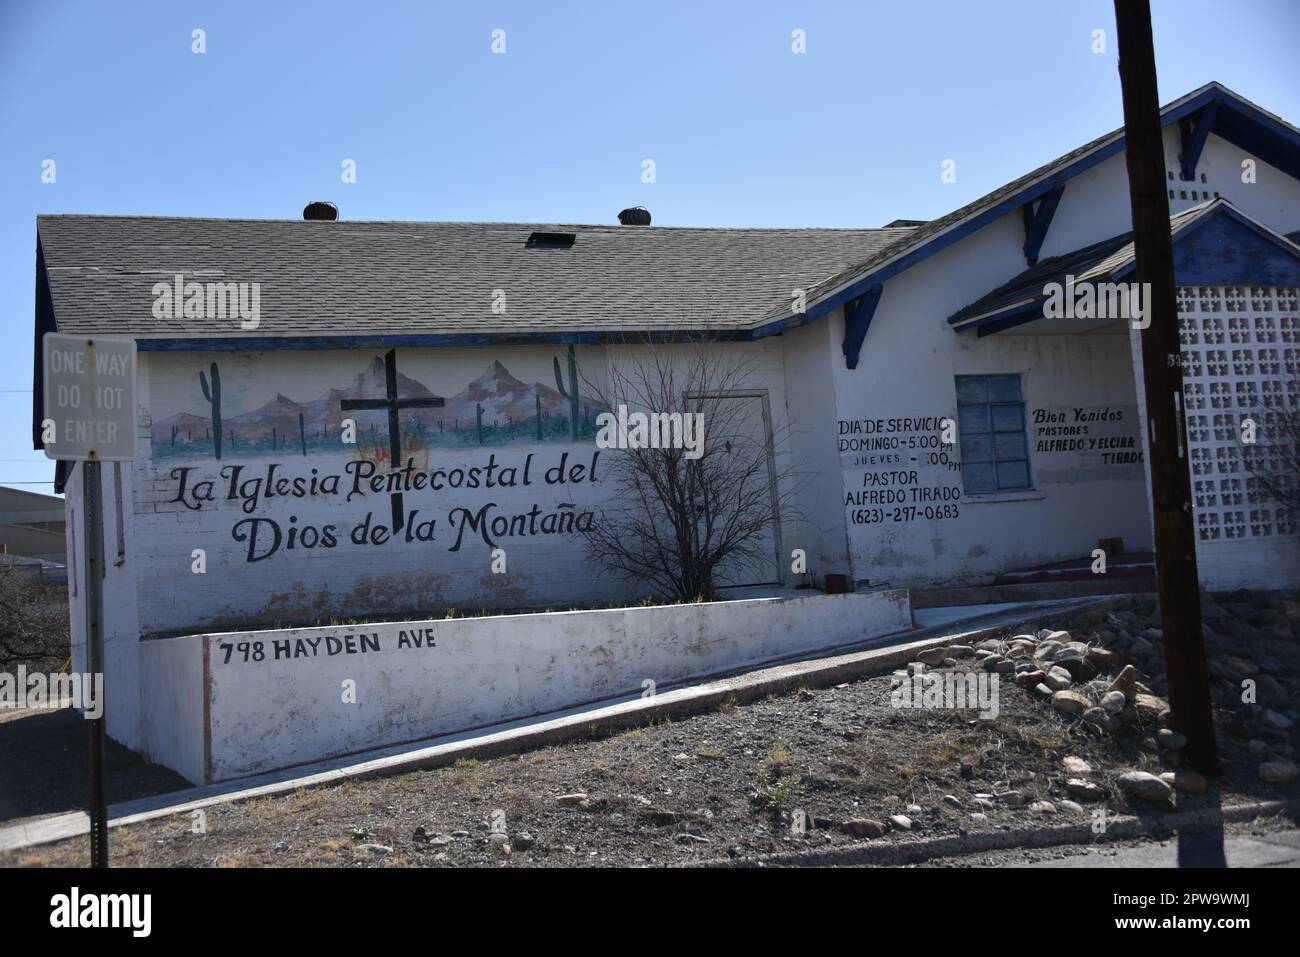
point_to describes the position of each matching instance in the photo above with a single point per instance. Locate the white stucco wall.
(272, 699)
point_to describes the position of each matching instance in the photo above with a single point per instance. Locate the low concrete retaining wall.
(278, 698)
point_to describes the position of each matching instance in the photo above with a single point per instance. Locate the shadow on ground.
(45, 757)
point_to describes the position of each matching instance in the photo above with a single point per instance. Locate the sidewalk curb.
(823, 668)
(902, 853)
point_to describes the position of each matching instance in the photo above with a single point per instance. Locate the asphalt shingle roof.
(361, 278)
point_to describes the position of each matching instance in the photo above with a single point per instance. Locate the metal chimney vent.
(319, 209)
(635, 216)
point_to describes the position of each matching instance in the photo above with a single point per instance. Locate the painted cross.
(394, 405)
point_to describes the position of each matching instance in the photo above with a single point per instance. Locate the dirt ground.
(731, 783)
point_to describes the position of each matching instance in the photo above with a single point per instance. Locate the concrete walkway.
(832, 666)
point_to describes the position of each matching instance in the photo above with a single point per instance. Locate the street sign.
(89, 410)
(89, 416)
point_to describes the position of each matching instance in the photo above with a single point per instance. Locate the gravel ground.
(734, 782)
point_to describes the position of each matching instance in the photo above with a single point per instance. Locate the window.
(991, 423)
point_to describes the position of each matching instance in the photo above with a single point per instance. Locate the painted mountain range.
(505, 401)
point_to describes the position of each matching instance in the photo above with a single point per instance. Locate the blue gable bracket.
(1037, 220)
(857, 319)
(1194, 134)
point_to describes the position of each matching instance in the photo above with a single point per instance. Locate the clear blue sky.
(743, 131)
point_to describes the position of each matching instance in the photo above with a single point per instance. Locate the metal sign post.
(89, 417)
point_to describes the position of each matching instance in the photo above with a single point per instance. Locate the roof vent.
(319, 209)
(905, 223)
(551, 239)
(635, 216)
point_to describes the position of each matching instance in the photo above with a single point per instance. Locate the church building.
(962, 398)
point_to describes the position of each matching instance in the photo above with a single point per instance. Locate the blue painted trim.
(1194, 137)
(858, 314)
(1237, 122)
(1203, 256)
(432, 340)
(1037, 221)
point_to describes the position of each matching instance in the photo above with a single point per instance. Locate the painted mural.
(493, 409)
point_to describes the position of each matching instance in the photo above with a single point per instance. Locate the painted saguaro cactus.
(213, 395)
(572, 392)
(302, 434)
(537, 400)
(478, 412)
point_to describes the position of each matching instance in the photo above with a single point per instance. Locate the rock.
(1005, 666)
(1185, 780)
(1047, 650)
(979, 818)
(1258, 749)
(1027, 679)
(1062, 636)
(1101, 718)
(1071, 806)
(1058, 679)
(901, 821)
(1141, 648)
(1269, 691)
(1144, 786)
(1276, 720)
(1168, 738)
(1075, 765)
(961, 651)
(1278, 772)
(1080, 668)
(1012, 798)
(570, 800)
(863, 827)
(1125, 683)
(379, 850)
(1113, 702)
(951, 800)
(932, 656)
(914, 809)
(1071, 702)
(1084, 790)
(1043, 690)
(1233, 666)
(1043, 807)
(523, 841)
(685, 837)
(1150, 707)
(496, 837)
(992, 661)
(984, 803)
(1171, 759)
(1103, 658)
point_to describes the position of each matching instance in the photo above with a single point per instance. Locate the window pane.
(978, 478)
(1009, 446)
(1013, 475)
(1004, 388)
(1007, 418)
(971, 389)
(972, 418)
(976, 448)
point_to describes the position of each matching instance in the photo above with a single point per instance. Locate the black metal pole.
(1162, 372)
(93, 510)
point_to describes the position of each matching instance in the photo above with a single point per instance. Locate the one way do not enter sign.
(89, 398)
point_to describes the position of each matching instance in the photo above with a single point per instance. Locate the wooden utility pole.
(1171, 493)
